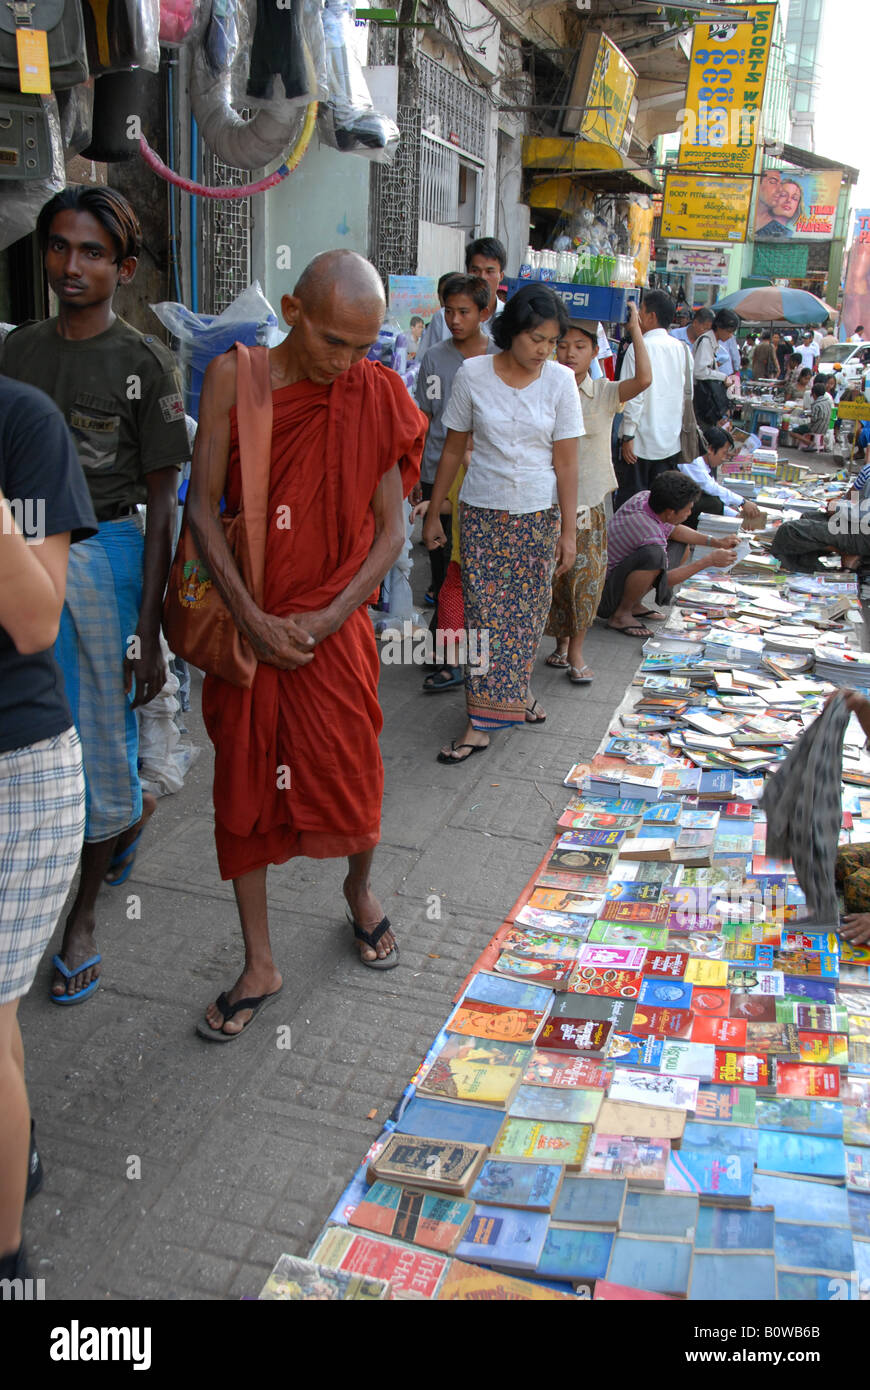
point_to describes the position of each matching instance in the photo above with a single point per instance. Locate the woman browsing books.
(524, 414)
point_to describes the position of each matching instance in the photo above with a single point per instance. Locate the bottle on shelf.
(527, 263)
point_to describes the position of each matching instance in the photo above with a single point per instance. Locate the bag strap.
(254, 419)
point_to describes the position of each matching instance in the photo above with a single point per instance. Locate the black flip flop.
(371, 938)
(531, 717)
(262, 1001)
(473, 747)
(432, 685)
(637, 631)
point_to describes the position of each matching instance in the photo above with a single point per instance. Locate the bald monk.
(346, 446)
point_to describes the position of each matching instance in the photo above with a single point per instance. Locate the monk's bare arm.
(277, 641)
(388, 508)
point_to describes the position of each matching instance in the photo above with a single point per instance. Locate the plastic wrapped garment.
(243, 144)
(349, 121)
(182, 21)
(286, 60)
(122, 34)
(76, 107)
(163, 758)
(222, 36)
(22, 199)
(249, 319)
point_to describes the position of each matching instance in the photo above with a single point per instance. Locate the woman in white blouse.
(523, 412)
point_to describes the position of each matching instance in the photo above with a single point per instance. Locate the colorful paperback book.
(665, 1215)
(816, 1018)
(605, 957)
(720, 1173)
(632, 1051)
(642, 1088)
(856, 1125)
(296, 1280)
(589, 819)
(801, 1199)
(732, 1228)
(618, 1012)
(821, 943)
(548, 1103)
(540, 944)
(656, 992)
(812, 1155)
(711, 1003)
(507, 994)
(796, 1079)
(483, 1020)
(739, 1277)
(474, 1069)
(662, 813)
(563, 1069)
(572, 902)
(595, 862)
(543, 1140)
(688, 1059)
(596, 839)
(742, 981)
(532, 1186)
(702, 1135)
(741, 1069)
(589, 1036)
(560, 924)
(627, 891)
(778, 1040)
(641, 1161)
(726, 1104)
(824, 1049)
(410, 1273)
(471, 1284)
(754, 1008)
(661, 1022)
(648, 912)
(552, 972)
(722, 1032)
(821, 966)
(500, 1236)
(422, 1218)
(857, 1168)
(621, 934)
(813, 1247)
(615, 984)
(668, 965)
(706, 972)
(634, 1121)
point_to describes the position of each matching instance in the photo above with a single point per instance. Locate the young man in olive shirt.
(120, 393)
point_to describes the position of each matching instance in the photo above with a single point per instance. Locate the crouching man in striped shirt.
(645, 539)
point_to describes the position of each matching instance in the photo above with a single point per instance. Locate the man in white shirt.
(652, 422)
(485, 258)
(716, 499)
(808, 350)
(858, 335)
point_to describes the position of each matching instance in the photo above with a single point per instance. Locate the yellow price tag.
(34, 73)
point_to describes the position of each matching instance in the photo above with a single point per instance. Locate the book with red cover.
(670, 964)
(655, 914)
(755, 1008)
(724, 1032)
(589, 1036)
(801, 1079)
(741, 1069)
(606, 1292)
(543, 972)
(661, 1023)
(711, 1001)
(564, 1070)
(483, 1020)
(614, 984)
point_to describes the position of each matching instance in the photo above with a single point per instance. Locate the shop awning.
(580, 163)
(566, 192)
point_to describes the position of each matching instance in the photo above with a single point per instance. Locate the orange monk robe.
(315, 727)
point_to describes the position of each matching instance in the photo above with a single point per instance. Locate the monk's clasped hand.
(282, 642)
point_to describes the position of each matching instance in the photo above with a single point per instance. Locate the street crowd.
(553, 494)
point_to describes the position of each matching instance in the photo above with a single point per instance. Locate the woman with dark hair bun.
(519, 412)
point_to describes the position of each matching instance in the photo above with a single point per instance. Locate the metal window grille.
(394, 206)
(451, 109)
(226, 240)
(439, 182)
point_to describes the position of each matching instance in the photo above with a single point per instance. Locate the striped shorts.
(42, 826)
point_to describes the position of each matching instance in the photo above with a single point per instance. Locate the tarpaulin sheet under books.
(802, 802)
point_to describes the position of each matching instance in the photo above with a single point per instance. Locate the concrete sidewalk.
(243, 1149)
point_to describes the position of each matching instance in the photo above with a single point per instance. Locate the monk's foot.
(367, 912)
(251, 984)
(126, 845)
(78, 946)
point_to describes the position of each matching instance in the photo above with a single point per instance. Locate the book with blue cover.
(736, 1278)
(814, 1247)
(572, 1254)
(813, 1155)
(509, 1239)
(699, 1134)
(442, 1119)
(799, 1115)
(663, 993)
(586, 1201)
(798, 987)
(512, 994)
(669, 1215)
(735, 1228)
(801, 1199)
(660, 1266)
(574, 1106)
(793, 1287)
(531, 1186)
(631, 1051)
(722, 1173)
(859, 1214)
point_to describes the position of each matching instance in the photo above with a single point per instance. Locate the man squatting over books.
(346, 446)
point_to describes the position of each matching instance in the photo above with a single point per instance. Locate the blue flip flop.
(118, 859)
(68, 974)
